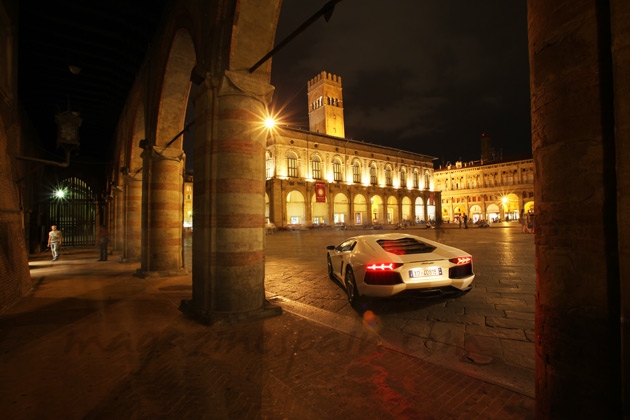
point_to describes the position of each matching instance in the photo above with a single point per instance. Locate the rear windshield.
(404, 246)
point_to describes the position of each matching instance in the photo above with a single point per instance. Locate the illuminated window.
(292, 168)
(388, 175)
(403, 177)
(373, 174)
(416, 179)
(337, 170)
(316, 167)
(356, 172)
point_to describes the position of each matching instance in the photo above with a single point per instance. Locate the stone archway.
(341, 210)
(319, 212)
(361, 216)
(406, 210)
(296, 209)
(163, 166)
(392, 210)
(377, 210)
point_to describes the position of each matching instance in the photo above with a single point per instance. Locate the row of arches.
(303, 209)
(508, 207)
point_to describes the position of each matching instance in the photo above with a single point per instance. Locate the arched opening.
(510, 207)
(475, 213)
(392, 210)
(377, 212)
(296, 210)
(319, 211)
(493, 213)
(360, 209)
(341, 208)
(406, 210)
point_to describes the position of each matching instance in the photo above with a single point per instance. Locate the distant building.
(317, 177)
(490, 189)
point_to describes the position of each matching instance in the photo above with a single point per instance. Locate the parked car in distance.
(384, 265)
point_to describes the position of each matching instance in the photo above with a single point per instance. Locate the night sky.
(424, 76)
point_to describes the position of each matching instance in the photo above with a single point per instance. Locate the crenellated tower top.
(325, 105)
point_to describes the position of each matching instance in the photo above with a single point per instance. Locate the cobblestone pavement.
(95, 342)
(488, 333)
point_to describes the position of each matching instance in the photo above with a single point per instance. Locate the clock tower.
(325, 105)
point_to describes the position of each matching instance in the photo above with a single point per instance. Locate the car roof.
(390, 236)
(372, 239)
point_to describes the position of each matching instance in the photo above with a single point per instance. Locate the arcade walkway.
(95, 342)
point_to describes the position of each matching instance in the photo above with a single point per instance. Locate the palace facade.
(492, 189)
(317, 177)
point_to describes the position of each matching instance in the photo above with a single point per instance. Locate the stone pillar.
(620, 17)
(577, 268)
(132, 217)
(162, 216)
(228, 235)
(116, 229)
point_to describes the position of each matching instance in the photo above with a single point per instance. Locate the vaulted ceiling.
(81, 56)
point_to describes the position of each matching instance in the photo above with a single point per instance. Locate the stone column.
(228, 235)
(577, 268)
(132, 217)
(620, 16)
(162, 215)
(117, 228)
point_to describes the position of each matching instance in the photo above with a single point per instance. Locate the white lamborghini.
(384, 265)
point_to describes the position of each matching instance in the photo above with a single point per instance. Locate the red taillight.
(382, 266)
(461, 260)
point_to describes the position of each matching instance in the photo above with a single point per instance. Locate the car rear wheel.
(330, 268)
(351, 286)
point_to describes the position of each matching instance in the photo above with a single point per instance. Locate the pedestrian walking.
(54, 241)
(460, 221)
(465, 221)
(102, 239)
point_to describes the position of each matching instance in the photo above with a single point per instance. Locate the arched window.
(373, 177)
(388, 175)
(427, 180)
(316, 167)
(337, 169)
(356, 172)
(403, 177)
(416, 179)
(292, 165)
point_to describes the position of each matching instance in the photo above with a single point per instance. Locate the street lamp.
(270, 122)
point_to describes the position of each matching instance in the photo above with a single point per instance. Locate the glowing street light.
(270, 122)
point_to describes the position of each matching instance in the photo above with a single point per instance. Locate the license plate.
(425, 272)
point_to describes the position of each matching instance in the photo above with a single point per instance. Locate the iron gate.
(73, 210)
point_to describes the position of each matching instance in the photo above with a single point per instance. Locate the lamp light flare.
(270, 122)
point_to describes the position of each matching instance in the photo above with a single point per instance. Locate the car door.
(340, 256)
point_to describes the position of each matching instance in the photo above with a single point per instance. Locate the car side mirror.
(330, 247)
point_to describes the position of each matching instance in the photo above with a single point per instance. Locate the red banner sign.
(320, 192)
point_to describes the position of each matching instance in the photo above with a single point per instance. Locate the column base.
(266, 311)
